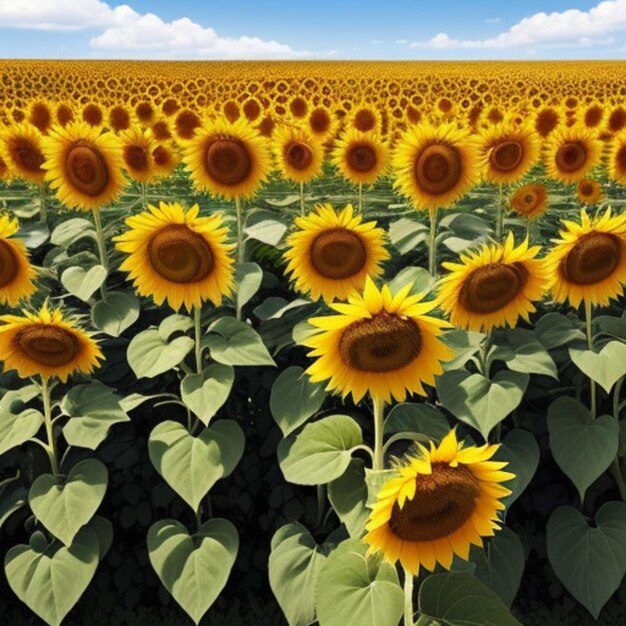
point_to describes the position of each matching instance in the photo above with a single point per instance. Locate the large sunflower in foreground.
(617, 159)
(178, 256)
(16, 272)
(361, 157)
(84, 165)
(229, 160)
(531, 201)
(443, 500)
(298, 153)
(46, 344)
(20, 147)
(589, 260)
(332, 253)
(436, 165)
(379, 343)
(493, 286)
(571, 153)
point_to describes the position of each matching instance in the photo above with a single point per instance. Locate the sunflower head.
(364, 118)
(531, 201)
(166, 158)
(361, 157)
(322, 123)
(64, 113)
(298, 107)
(93, 114)
(589, 260)
(186, 123)
(379, 343)
(178, 256)
(145, 111)
(593, 115)
(547, 120)
(571, 153)
(589, 191)
(5, 170)
(617, 159)
(47, 344)
(40, 115)
(442, 500)
(332, 253)
(20, 148)
(118, 117)
(493, 286)
(16, 272)
(137, 147)
(616, 121)
(298, 153)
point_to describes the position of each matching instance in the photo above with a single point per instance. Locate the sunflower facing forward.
(493, 286)
(589, 260)
(571, 153)
(46, 344)
(379, 343)
(178, 256)
(84, 165)
(20, 147)
(16, 272)
(531, 201)
(360, 157)
(298, 153)
(332, 253)
(138, 145)
(443, 500)
(589, 191)
(617, 159)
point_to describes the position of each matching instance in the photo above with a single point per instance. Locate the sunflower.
(571, 153)
(16, 272)
(161, 129)
(508, 151)
(547, 121)
(178, 256)
(589, 191)
(5, 170)
(444, 108)
(298, 107)
(530, 201)
(379, 343)
(589, 261)
(186, 123)
(166, 159)
(593, 115)
(332, 253)
(93, 114)
(493, 286)
(617, 159)
(436, 165)
(137, 146)
(84, 165)
(298, 153)
(229, 160)
(46, 343)
(21, 150)
(442, 501)
(118, 118)
(40, 115)
(364, 118)
(360, 157)
(144, 112)
(322, 123)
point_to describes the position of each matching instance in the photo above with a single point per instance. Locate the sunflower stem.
(528, 229)
(197, 323)
(432, 244)
(379, 417)
(43, 213)
(500, 216)
(360, 197)
(47, 416)
(408, 598)
(592, 384)
(241, 251)
(321, 504)
(144, 198)
(302, 209)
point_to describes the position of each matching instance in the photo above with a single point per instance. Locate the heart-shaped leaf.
(83, 283)
(233, 342)
(554, 330)
(50, 578)
(420, 418)
(115, 313)
(348, 495)
(194, 569)
(72, 230)
(205, 393)
(582, 446)
(192, 465)
(248, 277)
(149, 355)
(590, 562)
(478, 401)
(605, 367)
(16, 429)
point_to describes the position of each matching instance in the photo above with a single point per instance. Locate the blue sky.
(274, 29)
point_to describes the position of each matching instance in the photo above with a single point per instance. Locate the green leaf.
(321, 452)
(149, 355)
(355, 589)
(348, 496)
(418, 277)
(605, 367)
(590, 562)
(465, 345)
(233, 342)
(94, 408)
(34, 235)
(294, 399)
(83, 283)
(406, 234)
(192, 465)
(248, 277)
(274, 308)
(265, 226)
(417, 418)
(65, 506)
(11, 502)
(50, 579)
(530, 357)
(478, 401)
(194, 569)
(72, 230)
(115, 313)
(583, 447)
(16, 429)
(205, 393)
(175, 323)
(555, 330)
(462, 600)
(294, 564)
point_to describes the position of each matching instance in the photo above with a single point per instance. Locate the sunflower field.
(312, 343)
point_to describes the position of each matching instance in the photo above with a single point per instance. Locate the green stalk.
(102, 250)
(379, 416)
(302, 209)
(592, 384)
(360, 197)
(47, 416)
(197, 323)
(144, 198)
(432, 244)
(43, 213)
(241, 251)
(408, 598)
(499, 216)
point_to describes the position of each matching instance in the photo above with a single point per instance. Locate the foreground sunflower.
(589, 260)
(229, 160)
(589, 191)
(333, 253)
(178, 256)
(46, 344)
(84, 165)
(442, 501)
(436, 165)
(361, 157)
(20, 147)
(617, 159)
(16, 272)
(379, 343)
(571, 153)
(531, 201)
(493, 286)
(298, 153)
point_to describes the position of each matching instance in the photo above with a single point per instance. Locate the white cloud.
(567, 28)
(64, 15)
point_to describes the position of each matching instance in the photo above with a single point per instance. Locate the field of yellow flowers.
(346, 339)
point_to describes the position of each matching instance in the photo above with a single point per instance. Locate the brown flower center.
(586, 189)
(593, 116)
(338, 253)
(620, 160)
(570, 157)
(86, 169)
(27, 155)
(547, 120)
(47, 344)
(186, 124)
(438, 169)
(506, 155)
(364, 120)
(119, 118)
(298, 155)
(228, 161)
(444, 501)
(8, 264)
(382, 343)
(594, 257)
(180, 255)
(298, 107)
(92, 114)
(64, 114)
(491, 287)
(320, 121)
(161, 156)
(361, 157)
(40, 117)
(136, 158)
